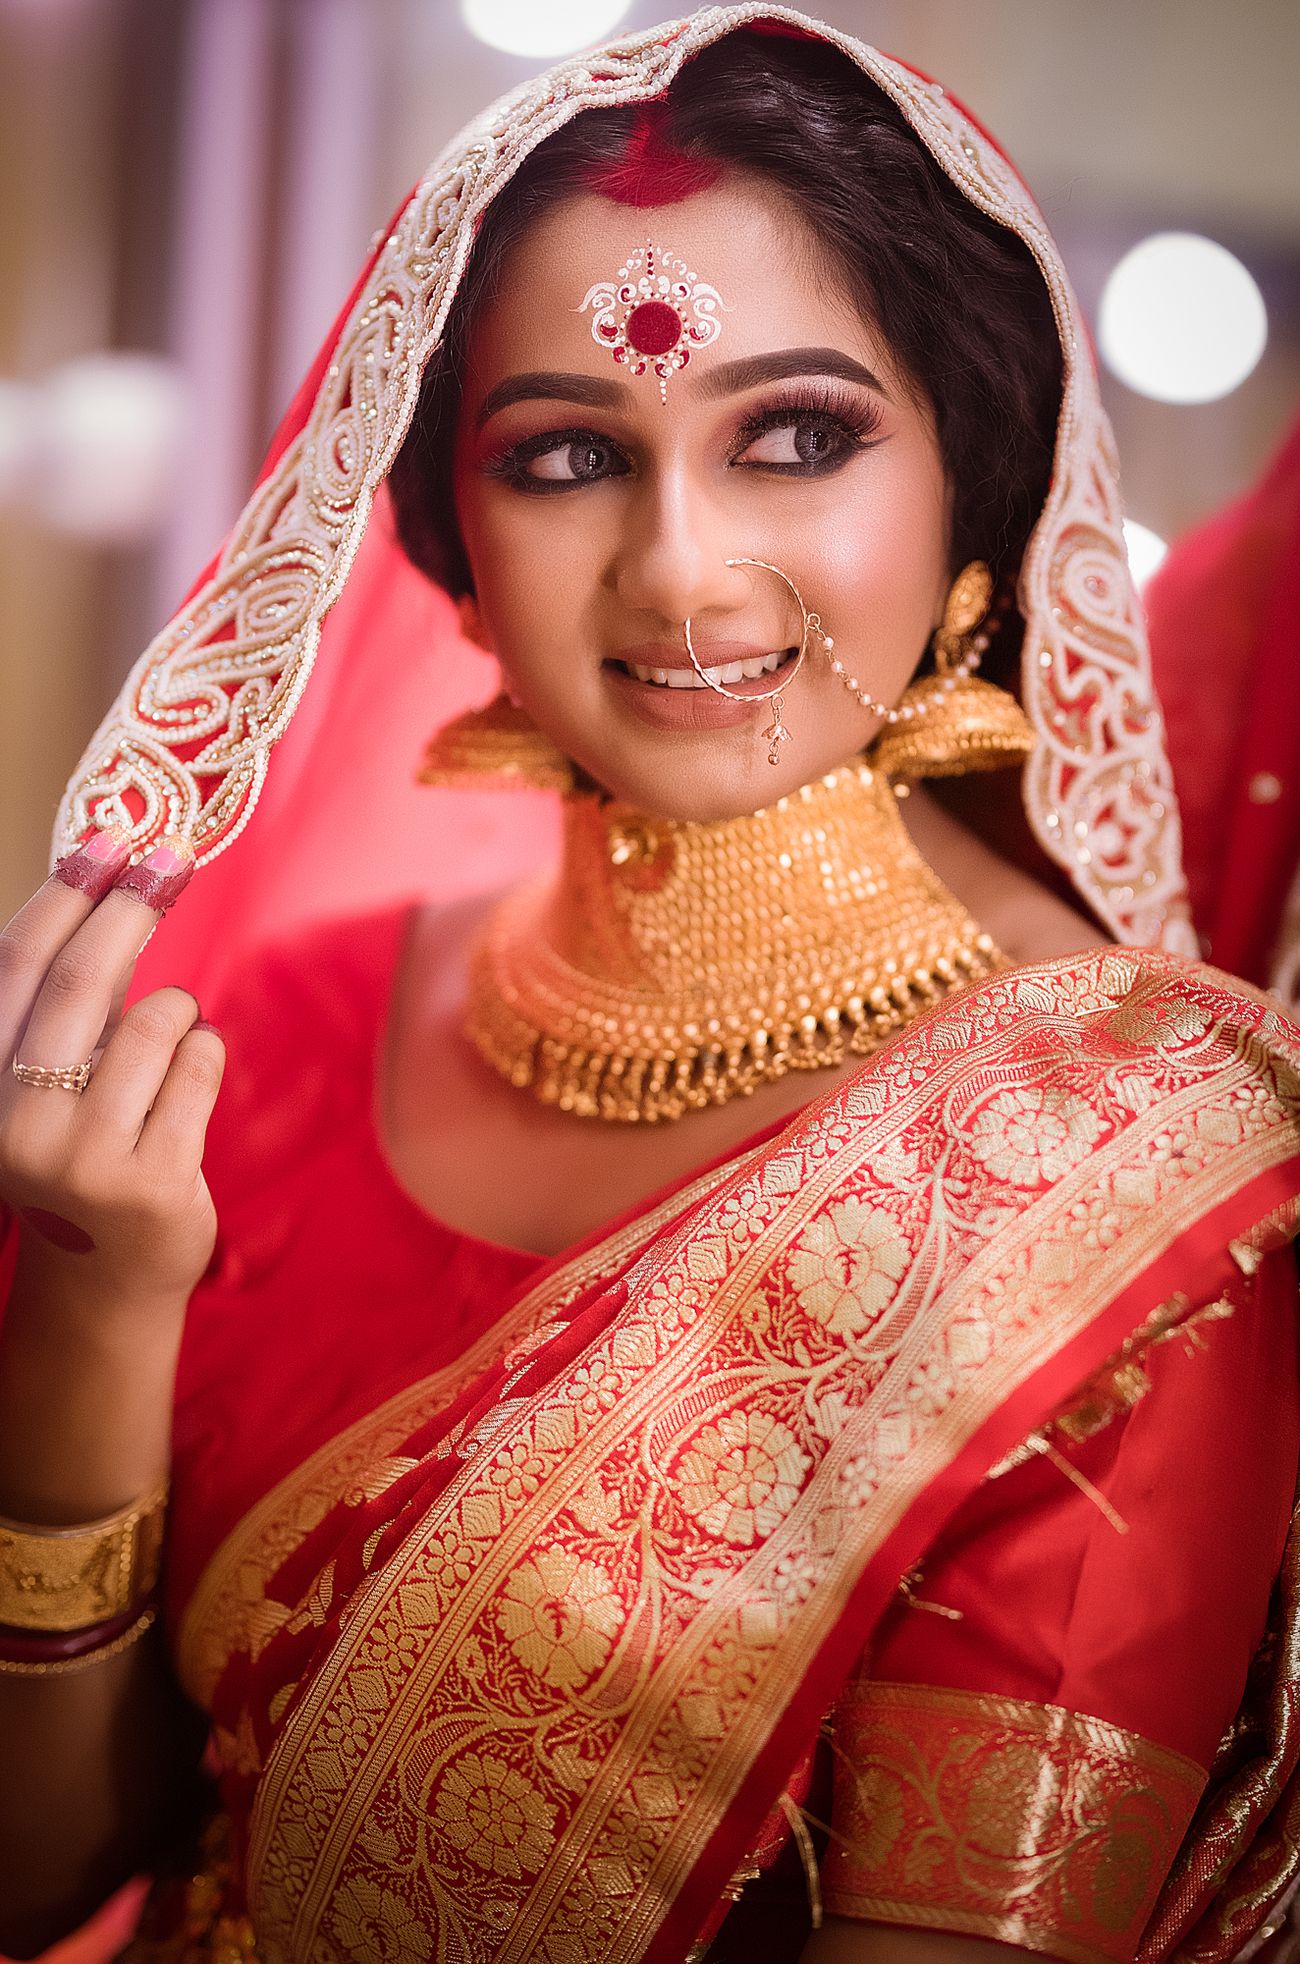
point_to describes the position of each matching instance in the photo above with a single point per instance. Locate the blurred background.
(187, 188)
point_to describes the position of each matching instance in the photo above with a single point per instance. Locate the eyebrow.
(548, 385)
(729, 378)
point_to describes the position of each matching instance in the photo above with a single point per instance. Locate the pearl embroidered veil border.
(187, 745)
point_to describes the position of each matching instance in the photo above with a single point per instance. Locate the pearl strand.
(904, 711)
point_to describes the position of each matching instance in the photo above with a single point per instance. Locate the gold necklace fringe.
(669, 967)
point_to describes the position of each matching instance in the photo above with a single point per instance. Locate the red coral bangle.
(60, 1646)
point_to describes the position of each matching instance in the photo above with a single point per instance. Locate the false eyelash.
(857, 416)
(510, 464)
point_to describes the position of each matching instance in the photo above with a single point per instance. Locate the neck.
(667, 966)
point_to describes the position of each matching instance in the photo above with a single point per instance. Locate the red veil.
(1225, 640)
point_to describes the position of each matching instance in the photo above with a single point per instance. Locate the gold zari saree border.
(1000, 1818)
(230, 1610)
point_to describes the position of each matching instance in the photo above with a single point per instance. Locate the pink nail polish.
(93, 867)
(160, 876)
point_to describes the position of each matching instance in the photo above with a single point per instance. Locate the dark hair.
(957, 297)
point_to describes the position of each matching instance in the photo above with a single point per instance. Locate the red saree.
(561, 1617)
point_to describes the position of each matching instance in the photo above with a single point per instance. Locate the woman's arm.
(117, 1225)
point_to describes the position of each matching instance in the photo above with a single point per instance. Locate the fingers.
(71, 1006)
(92, 965)
(176, 1127)
(32, 939)
(130, 1074)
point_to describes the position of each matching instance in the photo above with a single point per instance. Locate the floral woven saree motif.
(230, 1610)
(538, 1710)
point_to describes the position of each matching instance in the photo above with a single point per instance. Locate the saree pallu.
(558, 1623)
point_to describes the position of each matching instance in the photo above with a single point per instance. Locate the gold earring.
(498, 745)
(951, 722)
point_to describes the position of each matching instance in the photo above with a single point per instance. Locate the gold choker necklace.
(669, 966)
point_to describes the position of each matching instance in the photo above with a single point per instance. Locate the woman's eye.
(801, 443)
(559, 462)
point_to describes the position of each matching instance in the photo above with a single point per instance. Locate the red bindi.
(653, 328)
(653, 312)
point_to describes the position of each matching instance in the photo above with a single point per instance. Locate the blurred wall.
(199, 180)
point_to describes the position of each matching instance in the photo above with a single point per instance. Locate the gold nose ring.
(776, 732)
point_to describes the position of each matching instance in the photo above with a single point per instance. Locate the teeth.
(727, 673)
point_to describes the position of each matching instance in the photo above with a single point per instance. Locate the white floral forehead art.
(653, 312)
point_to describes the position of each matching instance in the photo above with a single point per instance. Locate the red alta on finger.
(93, 868)
(161, 876)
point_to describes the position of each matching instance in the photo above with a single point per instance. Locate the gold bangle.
(61, 1667)
(61, 1579)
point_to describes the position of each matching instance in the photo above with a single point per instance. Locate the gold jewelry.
(669, 966)
(45, 1077)
(776, 731)
(498, 744)
(950, 722)
(59, 1667)
(59, 1579)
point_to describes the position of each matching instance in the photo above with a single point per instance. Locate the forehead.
(774, 286)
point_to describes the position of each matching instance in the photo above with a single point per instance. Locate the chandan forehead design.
(186, 746)
(653, 313)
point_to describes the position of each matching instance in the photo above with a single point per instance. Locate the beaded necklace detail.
(669, 966)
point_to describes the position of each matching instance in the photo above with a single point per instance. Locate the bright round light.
(542, 27)
(1145, 549)
(1181, 319)
(106, 451)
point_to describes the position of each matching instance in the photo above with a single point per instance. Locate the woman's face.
(598, 517)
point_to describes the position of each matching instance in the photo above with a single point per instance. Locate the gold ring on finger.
(45, 1077)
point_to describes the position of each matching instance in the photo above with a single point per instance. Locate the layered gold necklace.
(668, 966)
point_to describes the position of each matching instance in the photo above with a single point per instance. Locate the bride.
(738, 1396)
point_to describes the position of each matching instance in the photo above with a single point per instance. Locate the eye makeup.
(834, 424)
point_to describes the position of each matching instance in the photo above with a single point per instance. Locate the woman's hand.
(109, 1183)
(118, 1225)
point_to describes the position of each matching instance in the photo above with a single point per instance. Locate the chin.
(708, 790)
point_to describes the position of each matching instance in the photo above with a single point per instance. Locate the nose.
(671, 561)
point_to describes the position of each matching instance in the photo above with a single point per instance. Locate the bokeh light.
(542, 27)
(104, 439)
(1181, 319)
(1145, 550)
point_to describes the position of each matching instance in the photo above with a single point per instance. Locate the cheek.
(886, 561)
(522, 566)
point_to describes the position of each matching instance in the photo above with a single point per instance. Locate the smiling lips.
(667, 668)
